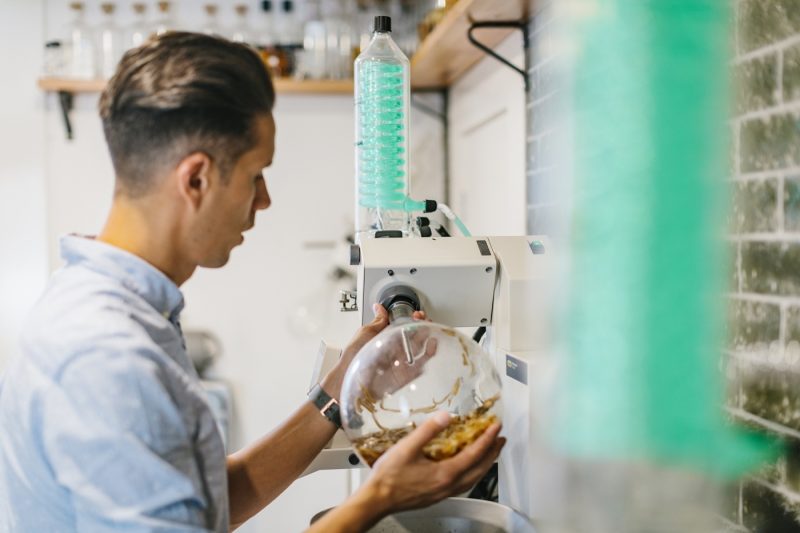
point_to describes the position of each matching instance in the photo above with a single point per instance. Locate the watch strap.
(328, 406)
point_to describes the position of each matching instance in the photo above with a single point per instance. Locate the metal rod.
(516, 24)
(65, 101)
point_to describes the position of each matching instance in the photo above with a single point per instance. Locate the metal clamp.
(349, 301)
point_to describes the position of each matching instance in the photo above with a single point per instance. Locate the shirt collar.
(132, 271)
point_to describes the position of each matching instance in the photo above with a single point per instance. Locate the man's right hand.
(403, 478)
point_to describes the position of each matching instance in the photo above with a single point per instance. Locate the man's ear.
(194, 177)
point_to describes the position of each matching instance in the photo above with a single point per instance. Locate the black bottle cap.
(431, 206)
(288, 6)
(266, 5)
(383, 24)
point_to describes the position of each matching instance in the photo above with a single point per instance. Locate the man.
(104, 424)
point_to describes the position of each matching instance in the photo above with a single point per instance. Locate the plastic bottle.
(382, 94)
(241, 32)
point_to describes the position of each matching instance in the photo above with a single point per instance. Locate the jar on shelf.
(164, 22)
(241, 32)
(139, 31)
(109, 42)
(79, 49)
(211, 25)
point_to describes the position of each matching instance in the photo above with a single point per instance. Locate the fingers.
(475, 473)
(381, 315)
(418, 438)
(419, 315)
(475, 451)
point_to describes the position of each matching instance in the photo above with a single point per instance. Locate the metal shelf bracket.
(520, 25)
(65, 101)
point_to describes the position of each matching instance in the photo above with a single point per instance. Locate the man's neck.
(148, 235)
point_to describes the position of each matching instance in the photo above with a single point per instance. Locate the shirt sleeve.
(121, 447)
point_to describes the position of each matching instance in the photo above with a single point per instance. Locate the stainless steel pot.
(454, 515)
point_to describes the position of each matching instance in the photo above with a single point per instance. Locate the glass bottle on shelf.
(338, 35)
(164, 23)
(211, 26)
(271, 54)
(53, 65)
(315, 52)
(241, 32)
(290, 35)
(79, 49)
(109, 42)
(139, 31)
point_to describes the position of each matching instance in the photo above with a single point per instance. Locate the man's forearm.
(357, 514)
(260, 472)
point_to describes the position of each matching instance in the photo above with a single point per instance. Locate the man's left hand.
(332, 382)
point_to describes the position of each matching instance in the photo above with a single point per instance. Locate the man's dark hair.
(177, 94)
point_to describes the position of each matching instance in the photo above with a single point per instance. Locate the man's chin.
(217, 262)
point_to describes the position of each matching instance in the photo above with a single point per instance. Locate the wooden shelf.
(446, 53)
(282, 86)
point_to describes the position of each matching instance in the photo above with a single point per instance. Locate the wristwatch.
(328, 407)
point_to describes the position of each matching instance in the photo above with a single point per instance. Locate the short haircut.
(181, 93)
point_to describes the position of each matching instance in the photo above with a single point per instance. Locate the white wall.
(487, 145)
(23, 259)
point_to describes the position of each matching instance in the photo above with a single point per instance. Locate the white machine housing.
(454, 277)
(503, 283)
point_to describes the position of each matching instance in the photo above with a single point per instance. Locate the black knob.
(353, 459)
(383, 24)
(355, 255)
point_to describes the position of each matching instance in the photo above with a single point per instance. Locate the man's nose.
(262, 199)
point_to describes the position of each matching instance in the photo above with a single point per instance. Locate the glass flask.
(241, 31)
(139, 31)
(79, 53)
(406, 373)
(211, 26)
(165, 22)
(109, 42)
(268, 48)
(315, 52)
(339, 40)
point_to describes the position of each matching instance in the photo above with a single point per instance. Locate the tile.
(770, 143)
(755, 208)
(771, 394)
(791, 204)
(763, 22)
(770, 268)
(792, 460)
(791, 74)
(765, 511)
(730, 502)
(753, 325)
(733, 268)
(756, 83)
(793, 325)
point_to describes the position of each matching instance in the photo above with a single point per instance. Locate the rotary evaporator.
(497, 287)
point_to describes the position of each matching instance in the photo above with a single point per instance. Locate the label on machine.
(516, 369)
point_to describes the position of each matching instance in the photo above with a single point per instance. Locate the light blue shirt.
(104, 425)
